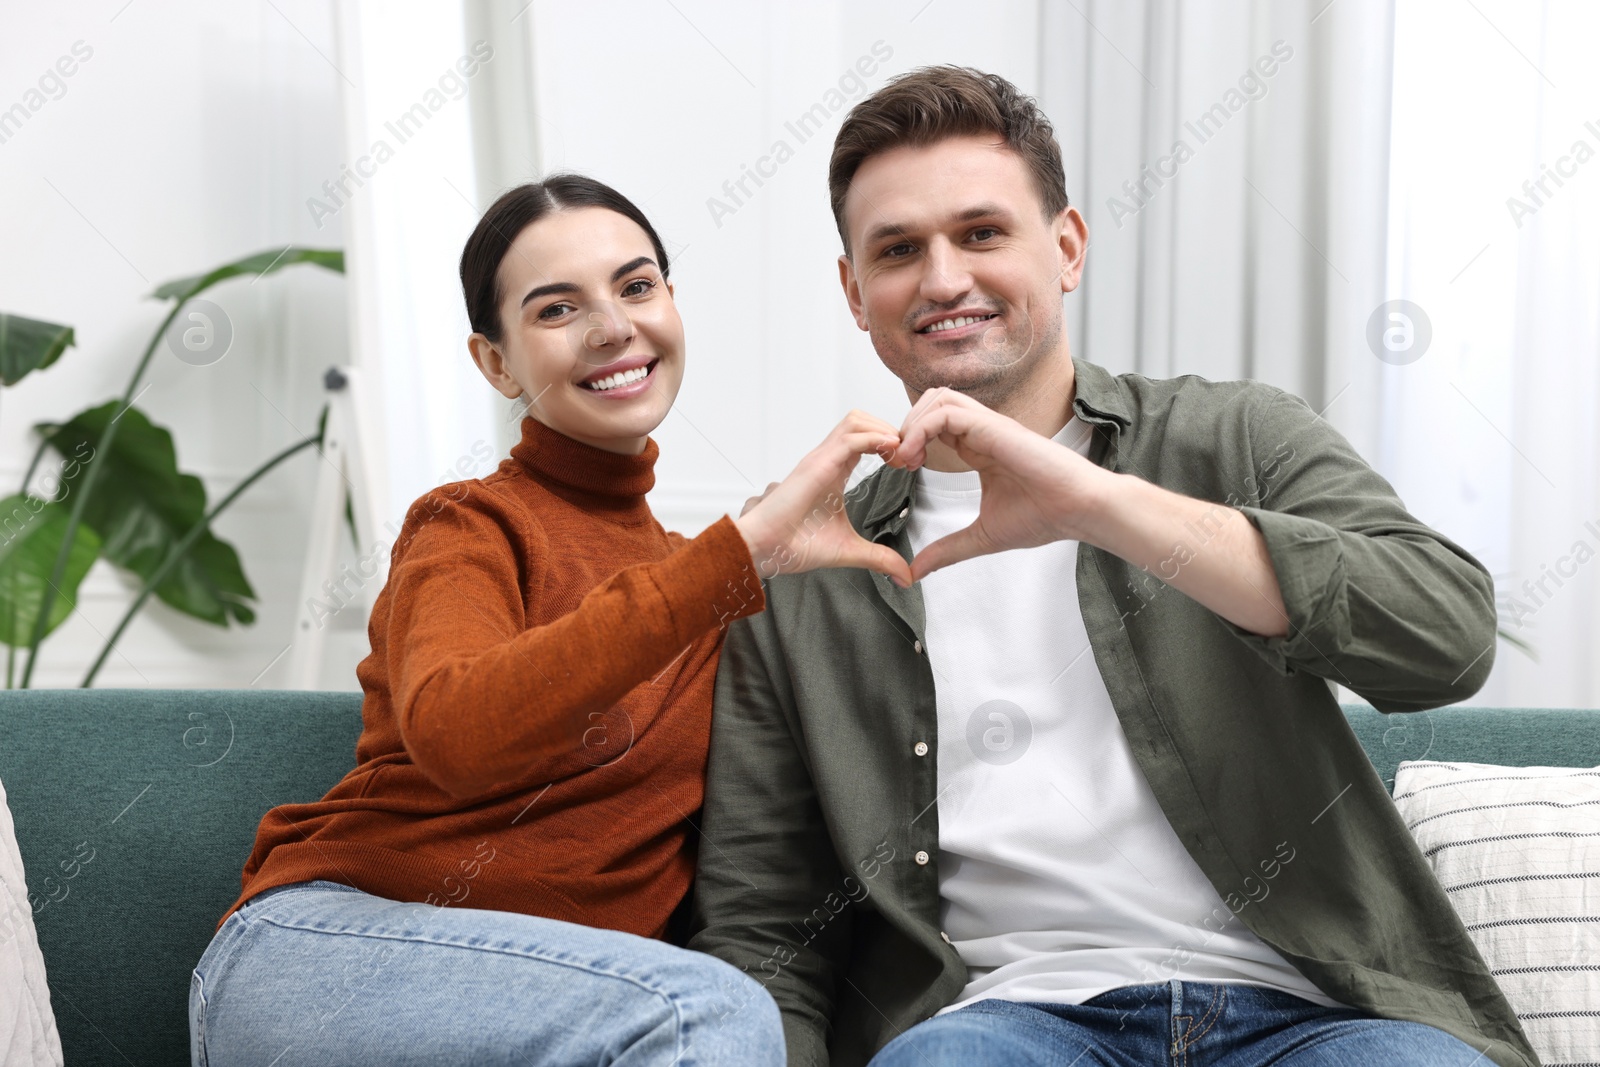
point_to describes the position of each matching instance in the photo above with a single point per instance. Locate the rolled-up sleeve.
(1377, 601)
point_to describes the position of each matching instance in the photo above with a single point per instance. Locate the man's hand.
(1034, 490)
(799, 524)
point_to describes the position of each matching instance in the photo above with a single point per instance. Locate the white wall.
(774, 357)
(191, 136)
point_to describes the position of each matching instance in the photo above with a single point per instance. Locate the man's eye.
(984, 233)
(899, 251)
(555, 311)
(638, 287)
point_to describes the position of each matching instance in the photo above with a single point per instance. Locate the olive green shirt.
(818, 860)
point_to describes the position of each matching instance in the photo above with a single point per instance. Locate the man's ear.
(852, 290)
(1072, 238)
(492, 365)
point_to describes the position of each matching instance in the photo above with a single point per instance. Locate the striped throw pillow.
(1518, 851)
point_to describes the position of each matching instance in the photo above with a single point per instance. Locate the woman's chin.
(621, 431)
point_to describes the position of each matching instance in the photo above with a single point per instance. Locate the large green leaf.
(267, 262)
(142, 504)
(31, 530)
(27, 345)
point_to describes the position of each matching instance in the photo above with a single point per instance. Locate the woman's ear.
(492, 365)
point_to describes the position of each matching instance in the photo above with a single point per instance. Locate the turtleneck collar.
(554, 457)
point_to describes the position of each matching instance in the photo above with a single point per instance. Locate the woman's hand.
(799, 524)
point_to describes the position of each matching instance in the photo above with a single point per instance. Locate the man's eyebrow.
(977, 211)
(983, 211)
(570, 287)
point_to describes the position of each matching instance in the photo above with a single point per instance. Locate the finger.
(859, 444)
(942, 419)
(874, 557)
(964, 544)
(926, 404)
(856, 420)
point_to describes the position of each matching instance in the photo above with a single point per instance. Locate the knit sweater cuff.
(716, 582)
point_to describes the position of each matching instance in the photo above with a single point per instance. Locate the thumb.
(952, 548)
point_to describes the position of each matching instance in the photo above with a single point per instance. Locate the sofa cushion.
(1517, 850)
(1513, 737)
(166, 789)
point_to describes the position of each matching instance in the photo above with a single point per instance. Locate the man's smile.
(958, 325)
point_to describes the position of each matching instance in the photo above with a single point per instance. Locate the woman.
(500, 877)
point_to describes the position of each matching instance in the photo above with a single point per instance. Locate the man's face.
(953, 268)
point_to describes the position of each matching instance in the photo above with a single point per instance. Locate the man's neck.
(1043, 404)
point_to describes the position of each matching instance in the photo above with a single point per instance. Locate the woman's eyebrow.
(632, 264)
(547, 290)
(570, 287)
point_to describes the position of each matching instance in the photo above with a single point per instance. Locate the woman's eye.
(638, 287)
(555, 311)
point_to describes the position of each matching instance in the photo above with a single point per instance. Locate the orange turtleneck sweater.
(538, 700)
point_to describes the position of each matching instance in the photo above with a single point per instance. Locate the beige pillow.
(1517, 850)
(27, 1026)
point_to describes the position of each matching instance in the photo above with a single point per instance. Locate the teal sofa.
(165, 788)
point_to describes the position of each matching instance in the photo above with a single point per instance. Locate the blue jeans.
(1181, 1024)
(319, 973)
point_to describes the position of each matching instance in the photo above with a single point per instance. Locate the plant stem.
(90, 476)
(33, 465)
(181, 548)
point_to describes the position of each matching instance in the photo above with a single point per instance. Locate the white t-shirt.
(1059, 875)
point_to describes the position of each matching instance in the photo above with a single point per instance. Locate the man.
(1083, 790)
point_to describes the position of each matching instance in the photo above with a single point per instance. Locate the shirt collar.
(885, 498)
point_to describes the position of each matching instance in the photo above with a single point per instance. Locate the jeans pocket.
(211, 962)
(197, 1020)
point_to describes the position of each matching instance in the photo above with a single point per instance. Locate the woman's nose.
(605, 328)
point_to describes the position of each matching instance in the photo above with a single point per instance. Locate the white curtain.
(1496, 233)
(1378, 162)
(1230, 159)
(412, 198)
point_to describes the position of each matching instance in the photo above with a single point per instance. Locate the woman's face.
(591, 338)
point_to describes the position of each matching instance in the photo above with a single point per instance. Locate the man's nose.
(945, 274)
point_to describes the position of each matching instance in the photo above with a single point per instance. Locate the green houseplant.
(119, 494)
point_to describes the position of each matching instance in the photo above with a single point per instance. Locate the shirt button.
(945, 936)
(916, 646)
(920, 748)
(904, 512)
(922, 859)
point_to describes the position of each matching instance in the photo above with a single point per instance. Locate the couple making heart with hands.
(1034, 491)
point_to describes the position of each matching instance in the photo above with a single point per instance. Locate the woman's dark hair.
(509, 215)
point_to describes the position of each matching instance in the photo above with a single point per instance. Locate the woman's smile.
(623, 379)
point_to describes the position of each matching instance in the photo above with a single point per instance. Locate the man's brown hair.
(929, 104)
